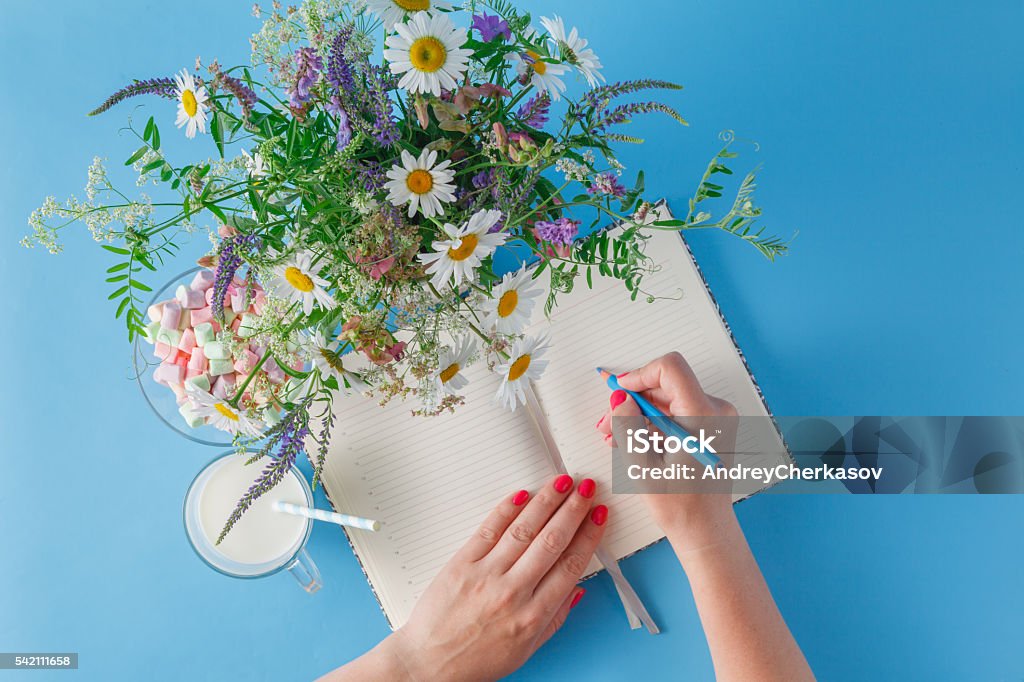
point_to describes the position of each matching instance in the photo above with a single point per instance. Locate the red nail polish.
(576, 599)
(600, 421)
(563, 483)
(599, 515)
(520, 498)
(623, 374)
(587, 487)
(617, 398)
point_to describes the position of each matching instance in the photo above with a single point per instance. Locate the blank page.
(429, 480)
(602, 327)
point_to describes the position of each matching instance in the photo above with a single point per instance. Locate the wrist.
(714, 525)
(389, 662)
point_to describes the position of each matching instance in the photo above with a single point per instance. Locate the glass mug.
(263, 541)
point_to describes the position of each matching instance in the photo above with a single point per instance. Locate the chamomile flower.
(573, 49)
(452, 361)
(541, 74)
(392, 12)
(192, 104)
(297, 280)
(328, 361)
(466, 246)
(509, 309)
(422, 183)
(255, 164)
(221, 414)
(428, 51)
(523, 366)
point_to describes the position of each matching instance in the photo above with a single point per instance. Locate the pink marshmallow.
(224, 385)
(191, 373)
(171, 315)
(203, 280)
(169, 374)
(198, 360)
(236, 324)
(155, 312)
(209, 296)
(238, 301)
(200, 315)
(186, 319)
(188, 340)
(190, 298)
(161, 350)
(179, 391)
(244, 364)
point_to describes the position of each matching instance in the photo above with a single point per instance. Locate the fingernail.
(624, 374)
(599, 515)
(520, 498)
(587, 487)
(576, 599)
(563, 483)
(617, 398)
(600, 421)
(607, 437)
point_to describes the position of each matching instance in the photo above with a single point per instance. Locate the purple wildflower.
(289, 436)
(228, 261)
(243, 93)
(339, 70)
(491, 27)
(562, 231)
(607, 183)
(308, 66)
(162, 87)
(534, 111)
(377, 101)
(599, 97)
(344, 128)
(483, 179)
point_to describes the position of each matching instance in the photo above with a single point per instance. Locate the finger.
(555, 536)
(620, 404)
(487, 535)
(671, 380)
(569, 568)
(520, 533)
(561, 615)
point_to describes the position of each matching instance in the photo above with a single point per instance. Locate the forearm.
(380, 663)
(745, 631)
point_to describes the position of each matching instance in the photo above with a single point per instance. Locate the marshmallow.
(151, 330)
(161, 350)
(274, 373)
(181, 359)
(198, 360)
(189, 415)
(171, 315)
(172, 337)
(271, 416)
(236, 324)
(246, 362)
(247, 326)
(203, 280)
(220, 367)
(224, 386)
(169, 374)
(215, 350)
(186, 319)
(188, 340)
(189, 298)
(199, 380)
(229, 316)
(155, 311)
(208, 296)
(238, 302)
(203, 333)
(201, 315)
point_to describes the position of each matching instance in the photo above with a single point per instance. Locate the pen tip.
(598, 370)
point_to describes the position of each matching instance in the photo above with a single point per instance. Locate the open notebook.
(432, 481)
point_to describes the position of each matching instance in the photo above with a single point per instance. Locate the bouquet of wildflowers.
(366, 167)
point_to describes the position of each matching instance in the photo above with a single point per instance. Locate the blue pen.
(664, 423)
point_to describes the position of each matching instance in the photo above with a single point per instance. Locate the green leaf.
(136, 155)
(118, 267)
(139, 285)
(152, 165)
(150, 124)
(116, 249)
(120, 308)
(156, 138)
(120, 292)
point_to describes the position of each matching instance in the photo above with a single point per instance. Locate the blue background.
(890, 138)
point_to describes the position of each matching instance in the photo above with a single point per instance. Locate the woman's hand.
(504, 594)
(671, 386)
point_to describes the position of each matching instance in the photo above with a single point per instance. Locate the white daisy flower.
(192, 104)
(428, 50)
(523, 365)
(421, 183)
(466, 246)
(543, 75)
(255, 164)
(449, 375)
(327, 360)
(509, 309)
(573, 49)
(392, 12)
(220, 414)
(298, 280)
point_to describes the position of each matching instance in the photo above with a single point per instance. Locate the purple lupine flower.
(483, 179)
(228, 261)
(162, 87)
(308, 66)
(377, 101)
(339, 70)
(243, 93)
(344, 128)
(562, 231)
(534, 111)
(491, 27)
(371, 176)
(607, 183)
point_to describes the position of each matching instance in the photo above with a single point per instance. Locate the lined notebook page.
(603, 327)
(429, 481)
